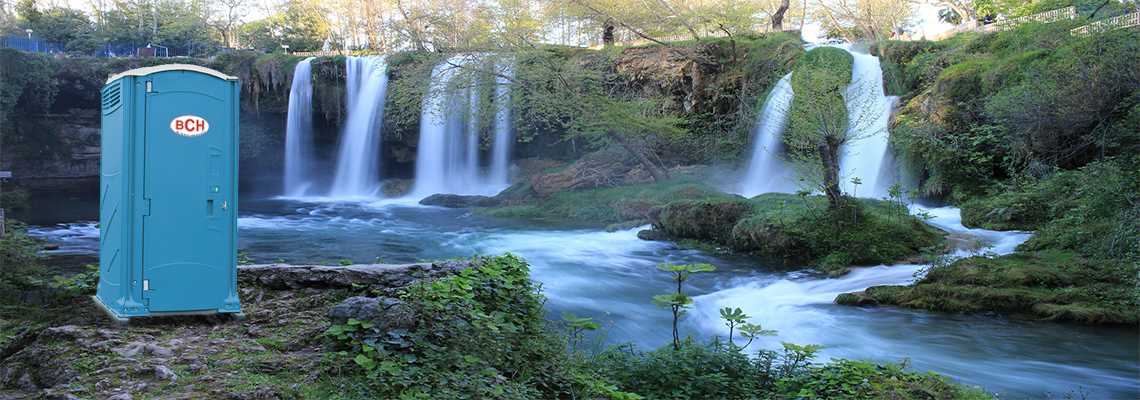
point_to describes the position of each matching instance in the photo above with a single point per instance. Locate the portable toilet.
(168, 207)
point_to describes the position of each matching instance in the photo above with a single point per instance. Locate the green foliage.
(1016, 104)
(846, 379)
(20, 270)
(620, 204)
(83, 283)
(1091, 210)
(14, 199)
(678, 302)
(25, 85)
(480, 334)
(1049, 285)
(801, 229)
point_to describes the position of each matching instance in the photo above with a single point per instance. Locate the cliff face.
(54, 152)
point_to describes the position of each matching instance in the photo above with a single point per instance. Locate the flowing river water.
(612, 277)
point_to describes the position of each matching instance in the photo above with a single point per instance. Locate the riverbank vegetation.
(481, 332)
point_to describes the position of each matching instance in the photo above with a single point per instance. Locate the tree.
(226, 15)
(864, 20)
(817, 121)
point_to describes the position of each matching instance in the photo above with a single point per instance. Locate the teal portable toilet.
(168, 207)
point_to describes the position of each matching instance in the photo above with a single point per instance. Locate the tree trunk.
(829, 156)
(778, 16)
(657, 173)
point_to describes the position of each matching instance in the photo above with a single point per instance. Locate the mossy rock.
(1048, 285)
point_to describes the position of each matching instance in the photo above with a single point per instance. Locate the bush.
(479, 334)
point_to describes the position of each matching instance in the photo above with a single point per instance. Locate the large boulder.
(459, 201)
(387, 313)
(589, 174)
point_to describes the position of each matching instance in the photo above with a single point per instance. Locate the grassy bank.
(799, 228)
(1049, 285)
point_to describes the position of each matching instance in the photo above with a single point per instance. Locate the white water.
(766, 173)
(864, 158)
(358, 161)
(448, 156)
(499, 175)
(869, 113)
(299, 131)
(611, 277)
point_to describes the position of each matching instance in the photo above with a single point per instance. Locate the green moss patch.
(1049, 285)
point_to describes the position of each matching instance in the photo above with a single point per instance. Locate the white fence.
(1122, 21)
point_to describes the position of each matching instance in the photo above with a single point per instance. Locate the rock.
(583, 175)
(396, 188)
(159, 351)
(262, 394)
(387, 279)
(459, 201)
(657, 236)
(121, 396)
(860, 298)
(386, 313)
(163, 372)
(66, 332)
(130, 349)
(66, 396)
(50, 246)
(25, 382)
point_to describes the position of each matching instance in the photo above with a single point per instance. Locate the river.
(612, 277)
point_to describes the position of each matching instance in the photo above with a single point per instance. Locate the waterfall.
(766, 173)
(499, 174)
(358, 160)
(448, 157)
(868, 110)
(869, 113)
(299, 131)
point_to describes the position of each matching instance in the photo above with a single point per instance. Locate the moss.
(784, 226)
(1049, 285)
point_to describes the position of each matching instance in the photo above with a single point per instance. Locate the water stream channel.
(611, 276)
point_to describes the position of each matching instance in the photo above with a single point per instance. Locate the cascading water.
(448, 156)
(299, 131)
(499, 175)
(766, 173)
(868, 113)
(358, 161)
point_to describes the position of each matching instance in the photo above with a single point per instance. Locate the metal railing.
(1048, 16)
(1122, 21)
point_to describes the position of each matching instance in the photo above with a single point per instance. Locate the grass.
(1050, 285)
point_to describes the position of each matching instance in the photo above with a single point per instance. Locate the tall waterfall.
(299, 131)
(358, 160)
(448, 156)
(869, 113)
(765, 171)
(499, 174)
(868, 110)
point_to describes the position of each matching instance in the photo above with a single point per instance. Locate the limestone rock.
(459, 201)
(860, 298)
(386, 313)
(583, 175)
(385, 278)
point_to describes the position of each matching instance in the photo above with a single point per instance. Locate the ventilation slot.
(111, 98)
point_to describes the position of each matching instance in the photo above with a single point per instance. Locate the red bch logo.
(189, 125)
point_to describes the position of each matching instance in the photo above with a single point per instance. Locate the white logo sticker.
(189, 125)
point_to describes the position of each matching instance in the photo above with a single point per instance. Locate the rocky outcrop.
(54, 152)
(589, 174)
(657, 71)
(459, 201)
(385, 279)
(72, 351)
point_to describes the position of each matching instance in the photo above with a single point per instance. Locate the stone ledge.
(387, 279)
